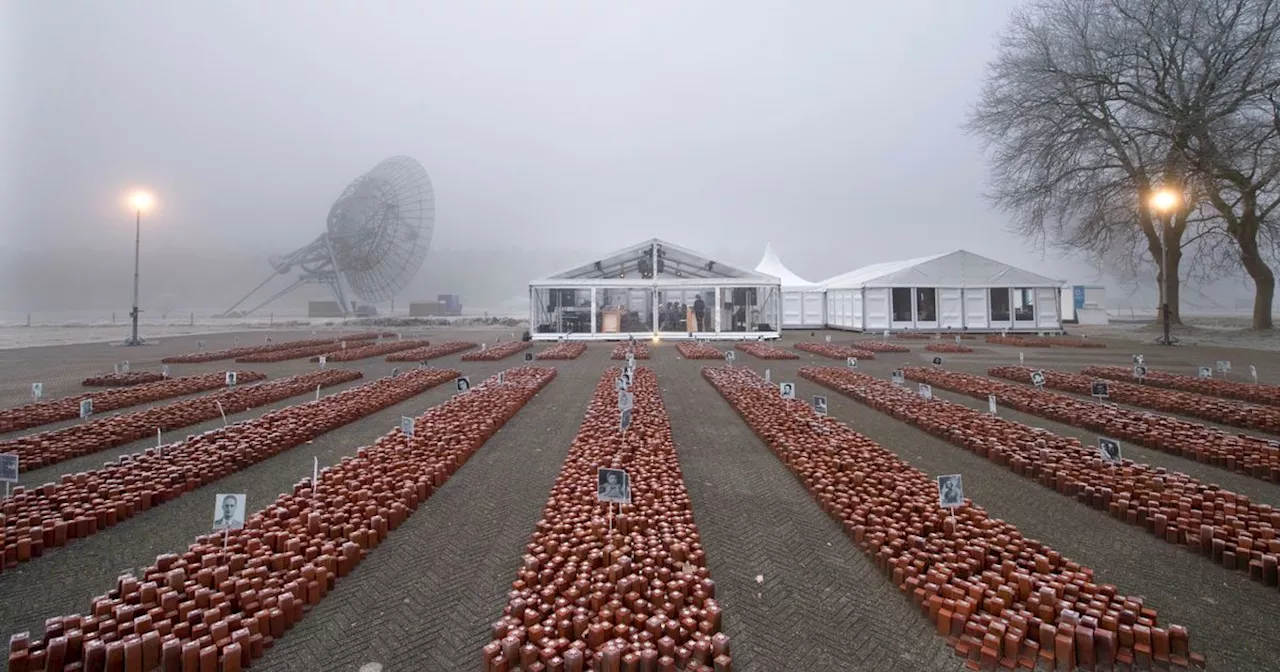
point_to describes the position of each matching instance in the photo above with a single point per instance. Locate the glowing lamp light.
(141, 200)
(1164, 200)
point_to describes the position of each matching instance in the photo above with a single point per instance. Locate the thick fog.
(552, 132)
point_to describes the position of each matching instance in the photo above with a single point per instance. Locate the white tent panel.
(795, 293)
(813, 312)
(975, 309)
(950, 308)
(792, 309)
(854, 308)
(1047, 308)
(875, 309)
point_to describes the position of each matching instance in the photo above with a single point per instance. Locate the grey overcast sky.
(831, 129)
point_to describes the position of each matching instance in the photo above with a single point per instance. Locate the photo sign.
(37, 391)
(624, 420)
(991, 404)
(1205, 372)
(926, 391)
(1139, 371)
(899, 377)
(937, 361)
(852, 362)
(729, 356)
(1224, 366)
(950, 491)
(787, 390)
(1109, 449)
(626, 401)
(231, 378)
(528, 356)
(1037, 379)
(323, 361)
(820, 404)
(9, 468)
(406, 426)
(1098, 389)
(86, 408)
(228, 511)
(462, 384)
(613, 486)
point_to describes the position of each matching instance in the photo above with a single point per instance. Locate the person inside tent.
(699, 310)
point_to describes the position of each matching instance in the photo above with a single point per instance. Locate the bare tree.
(1093, 105)
(1215, 66)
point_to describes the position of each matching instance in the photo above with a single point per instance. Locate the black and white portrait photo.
(1037, 378)
(613, 485)
(788, 390)
(1139, 371)
(624, 419)
(9, 468)
(1109, 449)
(1099, 389)
(528, 356)
(228, 512)
(950, 491)
(462, 384)
(820, 404)
(937, 361)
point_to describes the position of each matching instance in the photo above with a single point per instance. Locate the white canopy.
(770, 264)
(953, 269)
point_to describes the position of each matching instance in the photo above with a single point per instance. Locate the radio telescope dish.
(375, 239)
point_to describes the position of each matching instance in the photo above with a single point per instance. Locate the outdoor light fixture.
(139, 201)
(1165, 202)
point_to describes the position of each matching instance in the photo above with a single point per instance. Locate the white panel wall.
(976, 315)
(812, 310)
(1047, 308)
(950, 308)
(876, 308)
(836, 315)
(792, 310)
(857, 311)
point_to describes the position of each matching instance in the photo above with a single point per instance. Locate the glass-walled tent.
(653, 289)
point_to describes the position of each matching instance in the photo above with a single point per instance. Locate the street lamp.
(1164, 203)
(139, 200)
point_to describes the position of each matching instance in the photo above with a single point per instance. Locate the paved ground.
(425, 598)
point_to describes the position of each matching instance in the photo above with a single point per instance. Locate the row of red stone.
(1235, 452)
(351, 354)
(920, 336)
(1229, 528)
(68, 408)
(765, 351)
(431, 351)
(123, 379)
(232, 353)
(840, 352)
(1002, 598)
(637, 348)
(35, 451)
(86, 502)
(1222, 411)
(566, 350)
(497, 352)
(602, 592)
(217, 607)
(1267, 395)
(882, 347)
(696, 350)
(954, 348)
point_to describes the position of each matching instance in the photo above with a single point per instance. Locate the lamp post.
(140, 200)
(1165, 202)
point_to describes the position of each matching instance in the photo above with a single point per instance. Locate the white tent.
(654, 289)
(958, 290)
(802, 301)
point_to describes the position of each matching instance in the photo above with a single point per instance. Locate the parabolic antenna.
(375, 240)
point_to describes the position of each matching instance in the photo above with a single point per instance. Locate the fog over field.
(551, 132)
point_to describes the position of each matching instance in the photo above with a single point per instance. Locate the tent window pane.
(901, 298)
(999, 305)
(927, 304)
(1025, 308)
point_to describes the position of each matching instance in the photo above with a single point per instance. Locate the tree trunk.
(1174, 287)
(1173, 238)
(1264, 281)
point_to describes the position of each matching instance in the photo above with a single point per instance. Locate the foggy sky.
(830, 129)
